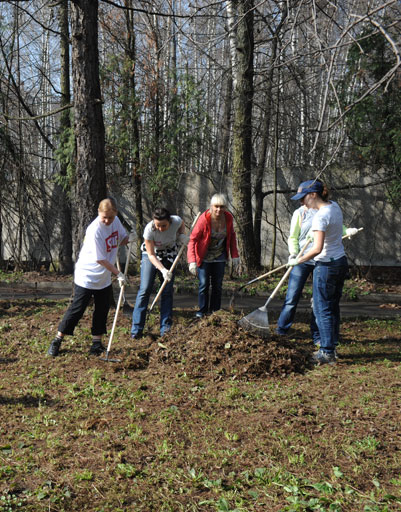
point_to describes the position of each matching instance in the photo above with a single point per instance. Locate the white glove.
(131, 237)
(291, 257)
(351, 231)
(167, 275)
(183, 239)
(292, 262)
(122, 280)
(192, 268)
(235, 262)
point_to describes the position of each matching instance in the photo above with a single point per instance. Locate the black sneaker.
(137, 335)
(54, 348)
(97, 348)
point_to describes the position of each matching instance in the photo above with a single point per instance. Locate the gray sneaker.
(320, 357)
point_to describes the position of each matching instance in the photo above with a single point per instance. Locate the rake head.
(257, 322)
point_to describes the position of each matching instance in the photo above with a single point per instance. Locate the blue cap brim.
(299, 196)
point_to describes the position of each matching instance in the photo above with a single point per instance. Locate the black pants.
(80, 302)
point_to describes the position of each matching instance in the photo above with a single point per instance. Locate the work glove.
(235, 262)
(291, 257)
(122, 279)
(167, 275)
(351, 231)
(183, 239)
(192, 268)
(293, 262)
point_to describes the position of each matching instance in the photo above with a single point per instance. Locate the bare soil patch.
(208, 418)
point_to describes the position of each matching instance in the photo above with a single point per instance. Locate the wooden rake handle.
(262, 276)
(174, 264)
(274, 293)
(277, 288)
(119, 299)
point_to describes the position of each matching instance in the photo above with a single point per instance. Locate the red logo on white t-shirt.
(112, 241)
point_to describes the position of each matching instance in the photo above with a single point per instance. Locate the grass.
(78, 434)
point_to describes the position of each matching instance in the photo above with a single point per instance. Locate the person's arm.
(109, 266)
(150, 249)
(181, 236)
(233, 243)
(318, 242)
(193, 240)
(295, 230)
(181, 229)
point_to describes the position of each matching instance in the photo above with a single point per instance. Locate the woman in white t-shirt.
(92, 276)
(331, 266)
(159, 250)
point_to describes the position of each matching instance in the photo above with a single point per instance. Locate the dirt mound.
(217, 345)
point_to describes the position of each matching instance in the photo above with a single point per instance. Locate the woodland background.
(166, 102)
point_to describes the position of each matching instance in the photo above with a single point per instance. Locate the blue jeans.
(328, 282)
(148, 274)
(296, 282)
(210, 274)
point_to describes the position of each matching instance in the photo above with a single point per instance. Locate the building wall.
(379, 244)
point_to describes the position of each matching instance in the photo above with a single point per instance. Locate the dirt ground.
(208, 418)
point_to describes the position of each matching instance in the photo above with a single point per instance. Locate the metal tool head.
(257, 322)
(109, 359)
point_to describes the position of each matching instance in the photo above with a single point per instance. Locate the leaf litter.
(181, 419)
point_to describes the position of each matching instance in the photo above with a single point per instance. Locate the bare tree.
(66, 249)
(90, 186)
(242, 137)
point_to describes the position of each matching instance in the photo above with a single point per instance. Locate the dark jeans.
(298, 276)
(210, 274)
(77, 308)
(328, 282)
(148, 274)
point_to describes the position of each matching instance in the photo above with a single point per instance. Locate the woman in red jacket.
(211, 243)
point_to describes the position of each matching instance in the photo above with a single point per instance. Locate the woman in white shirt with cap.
(331, 266)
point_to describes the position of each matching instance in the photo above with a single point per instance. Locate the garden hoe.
(258, 320)
(120, 298)
(127, 307)
(173, 265)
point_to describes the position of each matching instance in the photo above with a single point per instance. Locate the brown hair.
(161, 213)
(107, 205)
(325, 192)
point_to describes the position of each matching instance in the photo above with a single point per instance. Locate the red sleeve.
(193, 239)
(233, 245)
(233, 239)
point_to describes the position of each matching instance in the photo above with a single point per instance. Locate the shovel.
(254, 280)
(173, 265)
(120, 299)
(258, 320)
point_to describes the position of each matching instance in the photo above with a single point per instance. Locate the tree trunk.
(90, 186)
(242, 139)
(65, 253)
(265, 132)
(134, 128)
(275, 158)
